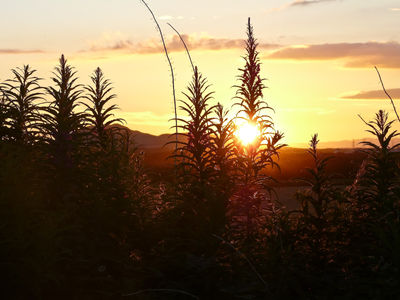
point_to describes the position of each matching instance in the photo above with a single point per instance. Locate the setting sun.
(247, 133)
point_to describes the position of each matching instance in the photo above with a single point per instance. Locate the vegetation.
(82, 218)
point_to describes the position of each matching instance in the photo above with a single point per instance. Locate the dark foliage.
(80, 217)
(253, 187)
(22, 93)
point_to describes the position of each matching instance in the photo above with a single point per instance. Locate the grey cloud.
(174, 44)
(19, 51)
(374, 94)
(356, 55)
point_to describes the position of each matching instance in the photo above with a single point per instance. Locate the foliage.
(63, 130)
(196, 170)
(253, 186)
(194, 152)
(83, 217)
(99, 115)
(380, 180)
(256, 156)
(22, 93)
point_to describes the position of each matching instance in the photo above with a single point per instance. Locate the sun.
(247, 133)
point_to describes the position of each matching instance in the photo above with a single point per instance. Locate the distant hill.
(347, 144)
(149, 141)
(145, 140)
(293, 160)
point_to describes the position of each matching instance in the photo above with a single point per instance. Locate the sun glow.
(247, 133)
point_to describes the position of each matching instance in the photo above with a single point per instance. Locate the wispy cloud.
(20, 51)
(297, 3)
(118, 42)
(395, 9)
(355, 55)
(374, 95)
(307, 2)
(352, 55)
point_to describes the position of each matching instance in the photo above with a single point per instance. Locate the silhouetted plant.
(23, 92)
(5, 114)
(119, 209)
(222, 142)
(196, 169)
(251, 159)
(100, 112)
(320, 205)
(257, 155)
(316, 202)
(63, 125)
(138, 190)
(62, 121)
(380, 184)
(375, 199)
(112, 234)
(250, 91)
(221, 153)
(194, 152)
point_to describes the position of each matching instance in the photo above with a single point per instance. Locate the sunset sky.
(317, 55)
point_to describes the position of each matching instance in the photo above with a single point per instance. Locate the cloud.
(297, 3)
(395, 9)
(119, 42)
(19, 51)
(307, 2)
(355, 55)
(374, 94)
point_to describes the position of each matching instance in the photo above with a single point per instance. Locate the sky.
(318, 56)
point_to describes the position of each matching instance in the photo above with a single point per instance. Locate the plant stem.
(387, 94)
(172, 73)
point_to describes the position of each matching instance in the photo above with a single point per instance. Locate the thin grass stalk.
(184, 44)
(387, 94)
(172, 74)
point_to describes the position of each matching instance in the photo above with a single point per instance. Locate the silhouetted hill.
(348, 144)
(150, 141)
(344, 163)
(145, 140)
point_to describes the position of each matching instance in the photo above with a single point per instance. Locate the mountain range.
(149, 141)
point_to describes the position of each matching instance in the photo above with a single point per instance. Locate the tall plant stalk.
(100, 115)
(172, 73)
(195, 150)
(251, 159)
(387, 94)
(63, 125)
(184, 44)
(252, 108)
(381, 178)
(23, 91)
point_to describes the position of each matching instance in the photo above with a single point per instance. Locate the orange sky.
(317, 56)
